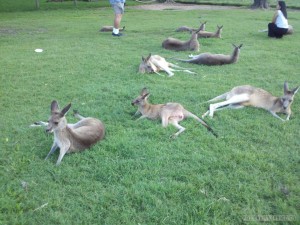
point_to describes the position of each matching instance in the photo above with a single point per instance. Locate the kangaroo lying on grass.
(71, 137)
(156, 63)
(178, 45)
(109, 28)
(189, 29)
(206, 34)
(248, 95)
(169, 113)
(215, 59)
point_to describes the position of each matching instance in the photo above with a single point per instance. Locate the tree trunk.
(37, 4)
(262, 4)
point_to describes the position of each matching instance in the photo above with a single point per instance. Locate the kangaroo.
(71, 137)
(178, 45)
(189, 29)
(248, 95)
(156, 63)
(169, 113)
(215, 59)
(109, 28)
(207, 34)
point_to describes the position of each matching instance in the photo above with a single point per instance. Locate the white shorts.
(118, 8)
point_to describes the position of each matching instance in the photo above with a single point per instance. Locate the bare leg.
(117, 20)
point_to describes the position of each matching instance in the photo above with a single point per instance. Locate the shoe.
(117, 35)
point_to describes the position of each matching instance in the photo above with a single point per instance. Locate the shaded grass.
(137, 175)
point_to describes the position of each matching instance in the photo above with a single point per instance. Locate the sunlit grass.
(137, 175)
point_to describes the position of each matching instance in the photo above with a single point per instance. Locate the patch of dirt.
(179, 6)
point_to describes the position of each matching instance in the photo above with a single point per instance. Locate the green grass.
(137, 175)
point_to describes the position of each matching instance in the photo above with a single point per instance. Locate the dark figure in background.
(279, 25)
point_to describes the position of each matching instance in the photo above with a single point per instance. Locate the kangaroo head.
(288, 97)
(236, 49)
(142, 98)
(146, 66)
(219, 28)
(57, 119)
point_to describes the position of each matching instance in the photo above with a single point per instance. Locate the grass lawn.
(137, 175)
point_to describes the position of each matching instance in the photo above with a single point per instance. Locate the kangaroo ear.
(240, 45)
(144, 91)
(285, 88)
(66, 109)
(149, 56)
(54, 106)
(146, 95)
(234, 45)
(295, 90)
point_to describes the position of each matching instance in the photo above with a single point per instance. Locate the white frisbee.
(38, 50)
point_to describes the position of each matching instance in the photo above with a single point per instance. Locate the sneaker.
(117, 35)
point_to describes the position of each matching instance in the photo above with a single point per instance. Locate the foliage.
(290, 3)
(137, 175)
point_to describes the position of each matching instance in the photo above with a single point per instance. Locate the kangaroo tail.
(189, 114)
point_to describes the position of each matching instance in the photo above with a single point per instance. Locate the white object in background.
(38, 50)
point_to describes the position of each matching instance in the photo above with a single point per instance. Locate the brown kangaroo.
(169, 113)
(71, 137)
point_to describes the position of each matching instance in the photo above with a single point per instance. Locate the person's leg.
(117, 21)
(119, 10)
(280, 32)
(271, 29)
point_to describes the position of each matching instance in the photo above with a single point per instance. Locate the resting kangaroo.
(178, 45)
(71, 137)
(248, 95)
(215, 59)
(207, 34)
(156, 63)
(169, 113)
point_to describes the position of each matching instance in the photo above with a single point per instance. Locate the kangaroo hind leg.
(77, 115)
(233, 102)
(180, 128)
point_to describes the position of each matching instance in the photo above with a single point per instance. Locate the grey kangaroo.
(169, 113)
(71, 137)
(215, 59)
(248, 95)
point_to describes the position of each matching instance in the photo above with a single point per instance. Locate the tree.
(37, 4)
(260, 4)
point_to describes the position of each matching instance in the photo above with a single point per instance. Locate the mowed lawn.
(137, 175)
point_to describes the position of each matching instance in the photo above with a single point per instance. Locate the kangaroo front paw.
(173, 136)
